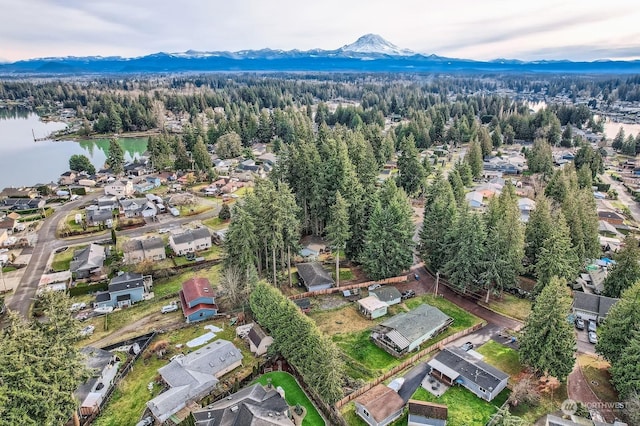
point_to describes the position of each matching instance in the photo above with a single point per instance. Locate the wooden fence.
(332, 290)
(407, 362)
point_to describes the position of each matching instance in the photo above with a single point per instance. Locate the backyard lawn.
(501, 357)
(166, 286)
(62, 260)
(465, 408)
(216, 223)
(596, 371)
(294, 395)
(512, 306)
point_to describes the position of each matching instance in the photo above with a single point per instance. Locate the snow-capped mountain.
(373, 43)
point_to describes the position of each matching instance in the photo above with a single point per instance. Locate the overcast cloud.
(542, 29)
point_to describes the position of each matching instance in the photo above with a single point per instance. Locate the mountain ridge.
(369, 53)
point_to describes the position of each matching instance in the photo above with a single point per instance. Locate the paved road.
(47, 243)
(623, 196)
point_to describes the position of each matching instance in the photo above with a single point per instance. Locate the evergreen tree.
(241, 240)
(411, 176)
(115, 159)
(225, 212)
(540, 158)
(554, 135)
(229, 145)
(485, 142)
(626, 271)
(338, 229)
(625, 371)
(584, 177)
(389, 240)
(538, 230)
(547, 343)
(80, 163)
(496, 138)
(439, 216)
(618, 141)
(622, 320)
(457, 187)
(474, 159)
(567, 137)
(556, 257)
(466, 267)
(201, 156)
(182, 160)
(629, 146)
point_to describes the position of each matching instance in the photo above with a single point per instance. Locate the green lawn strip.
(501, 357)
(464, 407)
(294, 395)
(512, 306)
(166, 286)
(130, 397)
(216, 223)
(345, 274)
(61, 261)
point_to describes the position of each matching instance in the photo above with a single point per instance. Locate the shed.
(372, 307)
(422, 413)
(259, 341)
(314, 276)
(379, 406)
(388, 294)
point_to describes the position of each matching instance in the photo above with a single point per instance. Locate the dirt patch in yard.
(333, 301)
(342, 320)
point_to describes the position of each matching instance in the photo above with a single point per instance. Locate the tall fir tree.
(466, 265)
(625, 371)
(626, 271)
(547, 342)
(622, 320)
(556, 258)
(411, 174)
(115, 159)
(474, 159)
(338, 229)
(539, 229)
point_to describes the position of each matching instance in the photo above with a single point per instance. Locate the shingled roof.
(313, 274)
(381, 402)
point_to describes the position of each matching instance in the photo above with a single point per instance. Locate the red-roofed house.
(198, 300)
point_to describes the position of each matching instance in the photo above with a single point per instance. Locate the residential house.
(95, 217)
(255, 405)
(388, 294)
(138, 250)
(509, 165)
(124, 290)
(610, 217)
(7, 223)
(249, 166)
(119, 188)
(67, 178)
(136, 168)
(21, 204)
(474, 199)
(405, 332)
(221, 166)
(167, 177)
(592, 306)
(107, 203)
(379, 406)
(104, 366)
(87, 182)
(268, 158)
(605, 228)
(526, 206)
(87, 261)
(422, 413)
(259, 341)
(147, 184)
(372, 307)
(138, 207)
(313, 276)
(18, 193)
(453, 365)
(190, 241)
(198, 300)
(193, 376)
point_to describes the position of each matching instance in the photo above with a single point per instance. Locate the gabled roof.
(256, 335)
(593, 303)
(386, 293)
(90, 257)
(381, 402)
(469, 367)
(195, 288)
(152, 243)
(252, 406)
(98, 215)
(605, 214)
(313, 274)
(371, 303)
(128, 280)
(191, 235)
(416, 323)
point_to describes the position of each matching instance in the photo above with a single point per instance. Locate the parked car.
(78, 307)
(592, 326)
(374, 286)
(593, 337)
(145, 422)
(103, 310)
(82, 316)
(172, 307)
(163, 230)
(467, 346)
(190, 256)
(579, 323)
(87, 331)
(408, 294)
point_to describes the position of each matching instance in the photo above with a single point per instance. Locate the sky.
(471, 29)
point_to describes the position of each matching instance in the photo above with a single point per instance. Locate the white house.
(190, 241)
(119, 188)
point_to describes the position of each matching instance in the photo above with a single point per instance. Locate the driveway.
(623, 195)
(582, 341)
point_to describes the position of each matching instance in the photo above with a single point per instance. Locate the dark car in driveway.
(579, 323)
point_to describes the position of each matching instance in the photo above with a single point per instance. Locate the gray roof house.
(87, 261)
(454, 366)
(388, 294)
(96, 217)
(137, 250)
(124, 290)
(190, 241)
(193, 376)
(314, 276)
(405, 332)
(592, 306)
(255, 405)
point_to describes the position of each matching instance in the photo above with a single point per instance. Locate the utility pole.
(437, 281)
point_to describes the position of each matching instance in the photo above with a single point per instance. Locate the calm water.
(25, 162)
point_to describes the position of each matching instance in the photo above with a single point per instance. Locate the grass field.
(61, 261)
(216, 223)
(465, 408)
(294, 395)
(501, 357)
(512, 306)
(165, 286)
(597, 370)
